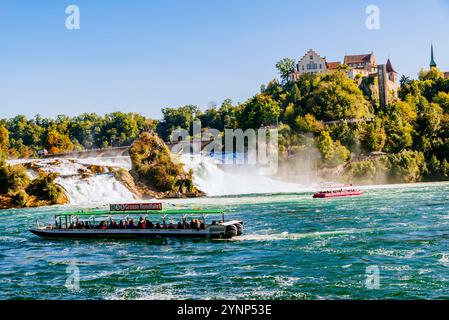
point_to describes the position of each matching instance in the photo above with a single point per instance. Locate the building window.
(312, 66)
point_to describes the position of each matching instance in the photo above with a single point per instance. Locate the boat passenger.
(131, 225)
(121, 225)
(171, 226)
(113, 225)
(202, 225)
(149, 225)
(141, 224)
(180, 226)
(158, 226)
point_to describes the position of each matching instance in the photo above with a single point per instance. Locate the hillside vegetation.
(409, 137)
(19, 191)
(156, 170)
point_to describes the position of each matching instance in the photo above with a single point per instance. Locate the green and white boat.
(141, 220)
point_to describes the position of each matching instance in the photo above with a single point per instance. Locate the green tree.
(333, 153)
(337, 97)
(285, 67)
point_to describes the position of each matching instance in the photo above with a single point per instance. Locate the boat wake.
(297, 236)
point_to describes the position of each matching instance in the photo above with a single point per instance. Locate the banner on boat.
(135, 206)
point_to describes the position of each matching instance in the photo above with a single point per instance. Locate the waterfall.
(86, 189)
(218, 180)
(209, 175)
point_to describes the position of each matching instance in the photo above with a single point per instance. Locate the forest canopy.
(313, 106)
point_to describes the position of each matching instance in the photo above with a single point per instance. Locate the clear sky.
(142, 56)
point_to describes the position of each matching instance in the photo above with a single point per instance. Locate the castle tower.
(392, 74)
(433, 64)
(382, 75)
(388, 83)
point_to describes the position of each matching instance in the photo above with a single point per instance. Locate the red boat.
(338, 191)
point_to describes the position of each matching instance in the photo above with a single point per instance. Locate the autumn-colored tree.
(58, 143)
(4, 140)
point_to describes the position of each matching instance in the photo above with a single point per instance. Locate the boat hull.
(212, 232)
(323, 195)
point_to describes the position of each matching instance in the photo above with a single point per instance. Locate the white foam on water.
(116, 162)
(217, 181)
(444, 260)
(95, 189)
(100, 189)
(296, 236)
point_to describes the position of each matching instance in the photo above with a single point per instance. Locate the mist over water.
(217, 179)
(209, 175)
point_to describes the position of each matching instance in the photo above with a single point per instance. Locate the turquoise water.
(294, 248)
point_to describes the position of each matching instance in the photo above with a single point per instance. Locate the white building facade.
(311, 63)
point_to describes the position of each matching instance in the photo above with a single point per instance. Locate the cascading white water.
(99, 189)
(218, 181)
(209, 176)
(92, 189)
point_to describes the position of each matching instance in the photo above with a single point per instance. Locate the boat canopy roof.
(159, 212)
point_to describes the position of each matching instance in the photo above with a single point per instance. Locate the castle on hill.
(357, 67)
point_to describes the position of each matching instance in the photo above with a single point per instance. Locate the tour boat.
(337, 191)
(152, 222)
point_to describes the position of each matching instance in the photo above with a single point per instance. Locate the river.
(294, 247)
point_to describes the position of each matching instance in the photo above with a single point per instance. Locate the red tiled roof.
(356, 59)
(333, 65)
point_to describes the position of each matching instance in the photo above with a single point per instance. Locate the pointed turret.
(390, 67)
(433, 64)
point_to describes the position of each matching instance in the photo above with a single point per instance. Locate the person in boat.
(80, 225)
(171, 226)
(102, 226)
(158, 226)
(121, 225)
(196, 224)
(131, 225)
(141, 224)
(180, 226)
(113, 225)
(202, 225)
(149, 225)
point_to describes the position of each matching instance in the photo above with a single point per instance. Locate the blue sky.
(142, 56)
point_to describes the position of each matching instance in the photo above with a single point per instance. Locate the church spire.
(433, 64)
